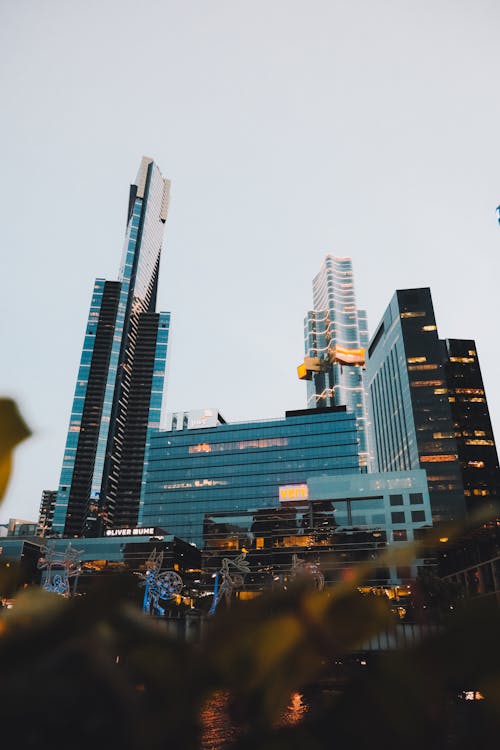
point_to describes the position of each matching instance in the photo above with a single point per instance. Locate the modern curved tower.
(119, 387)
(335, 337)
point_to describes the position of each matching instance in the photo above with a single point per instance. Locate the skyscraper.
(119, 387)
(477, 451)
(410, 410)
(335, 338)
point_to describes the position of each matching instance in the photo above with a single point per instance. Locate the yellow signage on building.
(293, 492)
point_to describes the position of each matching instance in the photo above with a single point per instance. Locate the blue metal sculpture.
(67, 562)
(158, 585)
(226, 582)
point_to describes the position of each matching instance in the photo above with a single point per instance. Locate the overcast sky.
(367, 128)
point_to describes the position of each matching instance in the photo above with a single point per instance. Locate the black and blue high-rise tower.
(120, 382)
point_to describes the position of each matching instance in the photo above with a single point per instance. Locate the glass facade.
(410, 414)
(120, 381)
(229, 468)
(335, 336)
(477, 451)
(387, 500)
(333, 523)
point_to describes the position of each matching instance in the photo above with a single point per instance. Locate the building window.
(418, 515)
(399, 535)
(396, 499)
(398, 516)
(416, 498)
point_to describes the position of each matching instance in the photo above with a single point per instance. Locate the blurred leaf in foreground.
(13, 430)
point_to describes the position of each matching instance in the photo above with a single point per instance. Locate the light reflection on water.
(218, 731)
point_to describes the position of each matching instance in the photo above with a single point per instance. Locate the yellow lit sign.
(293, 492)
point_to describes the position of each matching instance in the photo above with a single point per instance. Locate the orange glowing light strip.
(438, 459)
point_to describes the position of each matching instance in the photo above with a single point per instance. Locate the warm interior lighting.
(238, 445)
(423, 367)
(424, 383)
(439, 458)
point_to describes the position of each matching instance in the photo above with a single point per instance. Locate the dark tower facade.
(120, 382)
(477, 451)
(410, 410)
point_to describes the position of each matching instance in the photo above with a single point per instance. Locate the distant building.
(228, 468)
(46, 515)
(119, 387)
(19, 527)
(335, 338)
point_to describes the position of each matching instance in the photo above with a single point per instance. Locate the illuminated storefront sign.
(293, 492)
(146, 531)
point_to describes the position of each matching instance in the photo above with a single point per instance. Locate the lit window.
(439, 458)
(479, 442)
(426, 383)
(429, 328)
(423, 367)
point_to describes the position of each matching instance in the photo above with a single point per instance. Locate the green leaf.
(13, 430)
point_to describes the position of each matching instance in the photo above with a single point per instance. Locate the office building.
(334, 522)
(119, 387)
(477, 452)
(196, 471)
(410, 411)
(118, 552)
(17, 527)
(335, 338)
(46, 514)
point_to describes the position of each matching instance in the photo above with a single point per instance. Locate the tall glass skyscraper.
(119, 387)
(335, 337)
(411, 417)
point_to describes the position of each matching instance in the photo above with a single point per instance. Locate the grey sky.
(368, 128)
